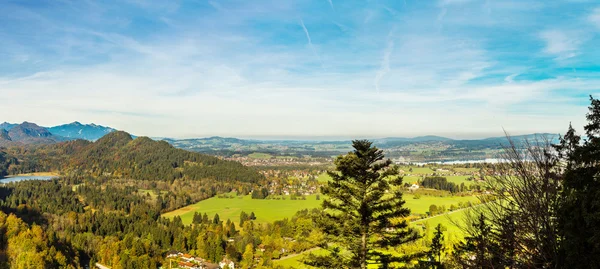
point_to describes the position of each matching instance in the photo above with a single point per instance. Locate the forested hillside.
(118, 155)
(108, 200)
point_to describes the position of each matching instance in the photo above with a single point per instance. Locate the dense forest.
(93, 223)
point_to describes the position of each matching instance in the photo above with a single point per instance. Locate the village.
(292, 182)
(178, 260)
(279, 161)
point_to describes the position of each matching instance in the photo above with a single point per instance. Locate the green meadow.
(230, 208)
(449, 221)
(323, 177)
(295, 261)
(421, 205)
(258, 155)
(452, 232)
(416, 170)
(271, 210)
(466, 170)
(460, 179)
(413, 178)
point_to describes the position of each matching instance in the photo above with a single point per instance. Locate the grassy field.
(416, 170)
(271, 210)
(421, 205)
(258, 155)
(412, 179)
(460, 179)
(452, 233)
(323, 177)
(227, 208)
(466, 170)
(295, 261)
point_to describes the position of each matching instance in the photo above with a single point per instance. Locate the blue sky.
(459, 68)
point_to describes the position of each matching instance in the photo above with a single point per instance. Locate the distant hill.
(29, 134)
(4, 135)
(420, 148)
(427, 138)
(77, 130)
(117, 153)
(7, 126)
(531, 137)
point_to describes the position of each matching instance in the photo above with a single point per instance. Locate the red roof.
(188, 264)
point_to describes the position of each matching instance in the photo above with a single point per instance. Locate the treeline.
(441, 183)
(167, 196)
(5, 162)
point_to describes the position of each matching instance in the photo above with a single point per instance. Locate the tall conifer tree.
(579, 213)
(364, 209)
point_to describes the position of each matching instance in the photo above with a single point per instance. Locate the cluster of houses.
(182, 260)
(284, 187)
(275, 161)
(298, 173)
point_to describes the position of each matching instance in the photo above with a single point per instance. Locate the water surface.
(21, 178)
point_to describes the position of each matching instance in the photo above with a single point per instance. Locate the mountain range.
(77, 130)
(416, 148)
(28, 133)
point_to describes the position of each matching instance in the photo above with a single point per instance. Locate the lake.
(21, 178)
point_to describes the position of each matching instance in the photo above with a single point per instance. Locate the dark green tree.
(437, 247)
(243, 218)
(479, 247)
(507, 241)
(363, 207)
(579, 211)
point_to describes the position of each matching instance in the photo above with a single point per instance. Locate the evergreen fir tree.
(363, 207)
(579, 213)
(437, 247)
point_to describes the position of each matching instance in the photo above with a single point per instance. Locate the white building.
(228, 263)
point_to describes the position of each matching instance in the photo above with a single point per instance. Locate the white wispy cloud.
(238, 70)
(385, 63)
(560, 44)
(511, 78)
(310, 44)
(331, 4)
(594, 17)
